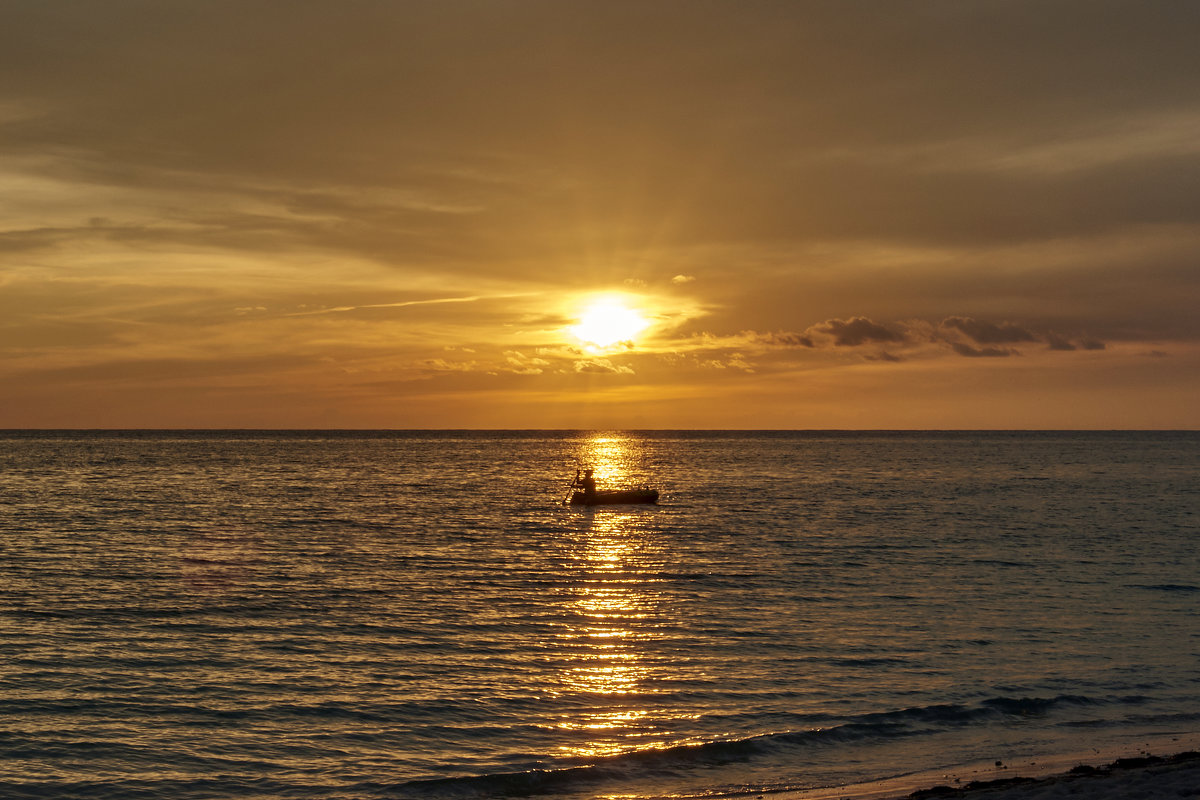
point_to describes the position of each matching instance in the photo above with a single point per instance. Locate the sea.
(415, 614)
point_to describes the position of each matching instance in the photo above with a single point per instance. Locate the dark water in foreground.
(312, 615)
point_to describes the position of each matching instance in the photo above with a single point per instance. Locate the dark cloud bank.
(965, 336)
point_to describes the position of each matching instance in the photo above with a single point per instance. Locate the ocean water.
(416, 615)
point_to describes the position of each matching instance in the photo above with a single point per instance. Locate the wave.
(565, 775)
(1165, 587)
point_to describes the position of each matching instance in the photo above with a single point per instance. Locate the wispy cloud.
(409, 303)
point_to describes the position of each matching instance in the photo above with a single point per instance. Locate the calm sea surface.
(394, 615)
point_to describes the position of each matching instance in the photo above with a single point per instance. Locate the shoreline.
(1132, 777)
(1131, 773)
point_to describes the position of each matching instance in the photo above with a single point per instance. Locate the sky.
(614, 214)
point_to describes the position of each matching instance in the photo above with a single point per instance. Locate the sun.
(608, 321)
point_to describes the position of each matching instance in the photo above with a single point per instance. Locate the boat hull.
(615, 497)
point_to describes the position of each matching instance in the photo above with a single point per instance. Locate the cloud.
(966, 336)
(984, 352)
(499, 137)
(987, 332)
(734, 361)
(601, 366)
(781, 339)
(521, 364)
(408, 304)
(443, 365)
(182, 371)
(856, 331)
(1056, 342)
(682, 279)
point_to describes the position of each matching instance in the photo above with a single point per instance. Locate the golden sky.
(372, 214)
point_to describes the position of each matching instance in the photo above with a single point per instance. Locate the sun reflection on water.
(616, 611)
(612, 457)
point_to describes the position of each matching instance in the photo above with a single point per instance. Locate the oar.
(570, 489)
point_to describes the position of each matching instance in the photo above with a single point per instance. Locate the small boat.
(614, 497)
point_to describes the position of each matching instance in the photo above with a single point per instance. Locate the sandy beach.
(1142, 776)
(1177, 776)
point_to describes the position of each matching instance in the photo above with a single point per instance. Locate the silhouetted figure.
(587, 483)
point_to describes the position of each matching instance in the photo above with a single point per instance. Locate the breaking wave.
(564, 776)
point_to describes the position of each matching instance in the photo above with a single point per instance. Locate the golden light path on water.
(617, 610)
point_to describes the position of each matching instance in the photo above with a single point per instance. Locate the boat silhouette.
(613, 497)
(586, 494)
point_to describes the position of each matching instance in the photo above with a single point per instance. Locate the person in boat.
(587, 483)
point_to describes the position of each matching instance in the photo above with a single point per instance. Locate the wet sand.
(1138, 778)
(1132, 777)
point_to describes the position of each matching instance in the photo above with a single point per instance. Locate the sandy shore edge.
(1107, 776)
(1137, 777)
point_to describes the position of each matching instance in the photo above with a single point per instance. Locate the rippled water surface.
(240, 615)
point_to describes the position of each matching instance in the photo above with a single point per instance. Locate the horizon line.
(589, 430)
